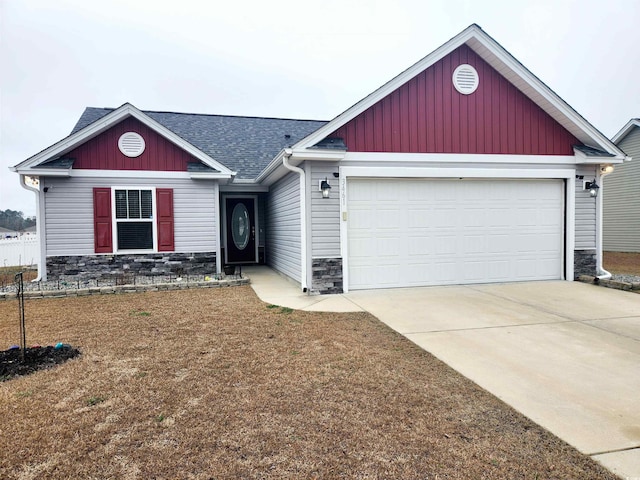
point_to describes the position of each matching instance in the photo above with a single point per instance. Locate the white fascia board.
(494, 54)
(439, 172)
(624, 131)
(317, 154)
(271, 167)
(583, 159)
(244, 188)
(43, 172)
(208, 175)
(374, 157)
(274, 175)
(276, 170)
(96, 128)
(141, 174)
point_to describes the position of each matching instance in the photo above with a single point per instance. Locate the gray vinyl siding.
(621, 196)
(325, 212)
(585, 210)
(69, 213)
(283, 243)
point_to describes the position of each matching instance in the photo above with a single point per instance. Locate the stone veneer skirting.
(326, 276)
(150, 264)
(584, 263)
(121, 289)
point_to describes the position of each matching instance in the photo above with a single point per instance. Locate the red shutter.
(164, 209)
(102, 233)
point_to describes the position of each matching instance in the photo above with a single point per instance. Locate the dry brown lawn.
(7, 274)
(215, 384)
(622, 262)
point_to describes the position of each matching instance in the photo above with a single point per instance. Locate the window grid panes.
(134, 217)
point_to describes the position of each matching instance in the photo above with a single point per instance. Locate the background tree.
(15, 220)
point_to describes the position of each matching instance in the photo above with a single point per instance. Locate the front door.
(240, 226)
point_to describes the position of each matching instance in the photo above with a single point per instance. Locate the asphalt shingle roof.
(243, 144)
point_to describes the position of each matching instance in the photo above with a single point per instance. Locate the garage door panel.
(412, 232)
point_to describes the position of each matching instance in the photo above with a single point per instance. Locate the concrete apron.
(565, 354)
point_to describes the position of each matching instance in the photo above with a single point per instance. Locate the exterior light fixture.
(325, 188)
(592, 187)
(605, 169)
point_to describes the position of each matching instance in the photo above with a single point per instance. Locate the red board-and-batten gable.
(102, 152)
(428, 115)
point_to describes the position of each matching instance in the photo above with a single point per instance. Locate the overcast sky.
(282, 58)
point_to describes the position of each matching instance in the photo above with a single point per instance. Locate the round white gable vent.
(465, 79)
(131, 144)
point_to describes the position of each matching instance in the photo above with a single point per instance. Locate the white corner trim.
(570, 227)
(217, 220)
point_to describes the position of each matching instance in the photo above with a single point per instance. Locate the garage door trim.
(476, 173)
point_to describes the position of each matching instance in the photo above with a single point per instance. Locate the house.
(465, 168)
(621, 208)
(6, 233)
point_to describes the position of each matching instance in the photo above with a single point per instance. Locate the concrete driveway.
(565, 354)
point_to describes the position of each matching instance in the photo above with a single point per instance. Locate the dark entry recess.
(240, 223)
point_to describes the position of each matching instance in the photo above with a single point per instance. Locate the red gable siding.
(428, 115)
(102, 153)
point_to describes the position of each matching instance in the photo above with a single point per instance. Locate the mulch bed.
(35, 358)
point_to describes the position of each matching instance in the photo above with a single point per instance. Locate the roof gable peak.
(105, 122)
(503, 62)
(624, 131)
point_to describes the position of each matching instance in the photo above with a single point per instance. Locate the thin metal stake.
(23, 334)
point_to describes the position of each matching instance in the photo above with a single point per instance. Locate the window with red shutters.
(132, 211)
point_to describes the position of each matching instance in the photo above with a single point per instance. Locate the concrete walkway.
(565, 354)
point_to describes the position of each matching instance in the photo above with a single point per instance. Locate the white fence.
(20, 251)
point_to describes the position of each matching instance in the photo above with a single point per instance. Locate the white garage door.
(415, 232)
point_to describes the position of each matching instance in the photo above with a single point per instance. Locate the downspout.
(42, 275)
(601, 273)
(303, 217)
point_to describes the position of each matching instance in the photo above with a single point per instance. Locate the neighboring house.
(465, 168)
(32, 230)
(6, 233)
(621, 220)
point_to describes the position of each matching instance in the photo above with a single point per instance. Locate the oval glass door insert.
(240, 227)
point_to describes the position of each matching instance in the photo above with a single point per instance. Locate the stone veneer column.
(326, 275)
(584, 263)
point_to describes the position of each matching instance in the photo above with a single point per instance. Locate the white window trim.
(114, 220)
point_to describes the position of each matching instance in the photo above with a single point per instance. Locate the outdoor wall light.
(592, 187)
(604, 169)
(325, 188)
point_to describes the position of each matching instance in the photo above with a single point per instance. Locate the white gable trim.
(96, 128)
(501, 60)
(624, 131)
